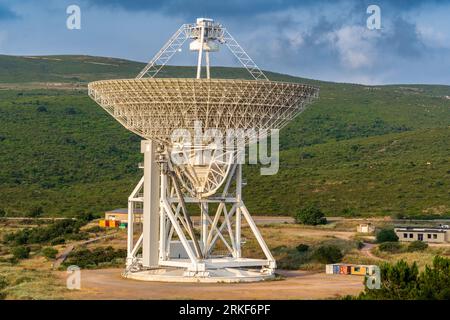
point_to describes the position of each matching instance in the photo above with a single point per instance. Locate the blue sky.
(326, 40)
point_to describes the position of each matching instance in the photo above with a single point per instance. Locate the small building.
(365, 228)
(350, 269)
(121, 215)
(425, 234)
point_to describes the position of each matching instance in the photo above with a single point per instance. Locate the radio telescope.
(168, 246)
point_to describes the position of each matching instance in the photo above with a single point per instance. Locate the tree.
(328, 254)
(434, 282)
(386, 235)
(402, 281)
(20, 252)
(36, 212)
(311, 215)
(49, 252)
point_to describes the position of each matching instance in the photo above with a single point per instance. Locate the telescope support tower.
(170, 244)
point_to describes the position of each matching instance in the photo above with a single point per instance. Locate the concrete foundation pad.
(225, 275)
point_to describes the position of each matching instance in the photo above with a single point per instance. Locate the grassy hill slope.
(357, 150)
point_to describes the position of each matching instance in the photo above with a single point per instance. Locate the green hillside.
(357, 150)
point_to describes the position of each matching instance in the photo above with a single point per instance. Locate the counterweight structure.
(169, 246)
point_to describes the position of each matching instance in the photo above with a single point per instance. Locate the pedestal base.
(225, 275)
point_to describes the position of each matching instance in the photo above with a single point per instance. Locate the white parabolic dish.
(154, 107)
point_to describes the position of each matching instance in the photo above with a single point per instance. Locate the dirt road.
(366, 251)
(108, 284)
(63, 256)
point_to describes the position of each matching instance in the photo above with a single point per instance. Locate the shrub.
(390, 247)
(49, 252)
(35, 212)
(95, 229)
(290, 258)
(348, 212)
(88, 259)
(50, 233)
(3, 284)
(86, 217)
(328, 254)
(386, 235)
(2, 213)
(310, 215)
(360, 245)
(77, 236)
(417, 246)
(70, 111)
(41, 109)
(302, 247)
(58, 240)
(20, 252)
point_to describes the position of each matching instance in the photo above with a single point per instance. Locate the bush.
(50, 253)
(58, 240)
(51, 233)
(89, 259)
(386, 235)
(328, 254)
(310, 215)
(290, 258)
(390, 247)
(20, 252)
(2, 213)
(70, 111)
(302, 247)
(41, 109)
(95, 229)
(417, 246)
(3, 284)
(348, 212)
(86, 217)
(77, 236)
(35, 212)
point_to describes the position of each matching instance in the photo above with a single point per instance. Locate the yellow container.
(359, 270)
(102, 223)
(112, 223)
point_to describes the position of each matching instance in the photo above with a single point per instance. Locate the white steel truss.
(243, 57)
(204, 32)
(221, 229)
(170, 191)
(166, 52)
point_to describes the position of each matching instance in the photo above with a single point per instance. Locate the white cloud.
(433, 38)
(355, 44)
